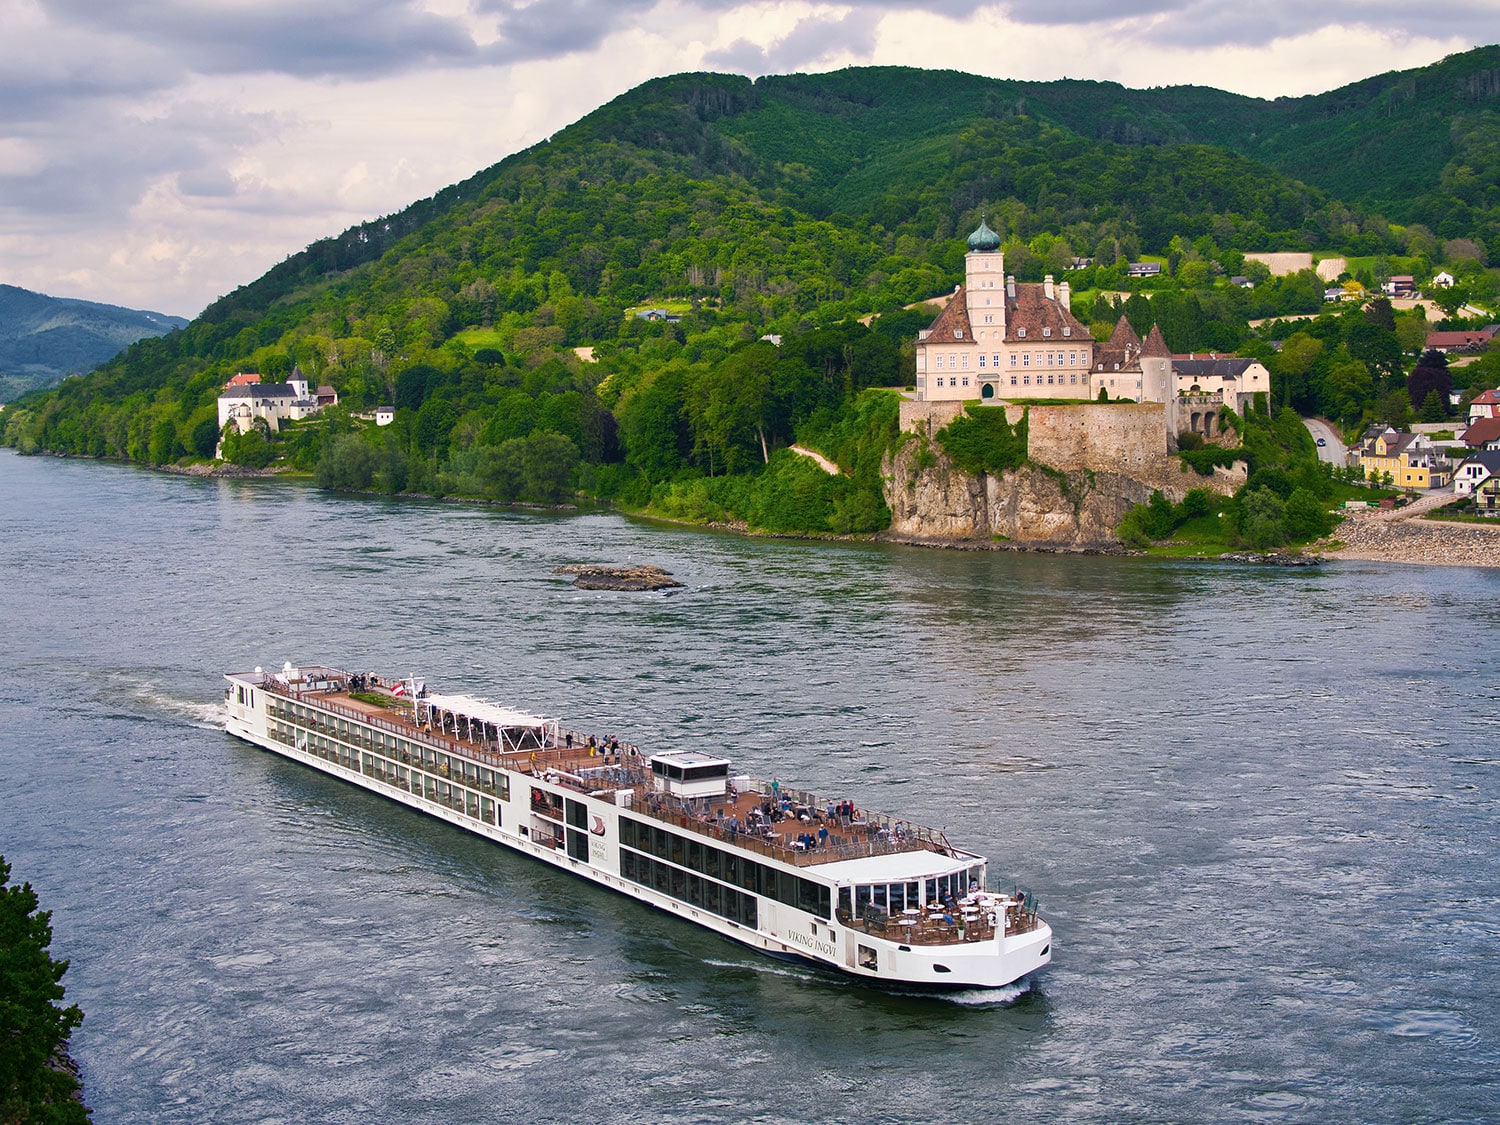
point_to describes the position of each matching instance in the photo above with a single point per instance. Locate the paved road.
(1334, 451)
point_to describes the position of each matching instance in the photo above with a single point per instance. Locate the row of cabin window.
(440, 790)
(1025, 380)
(410, 752)
(692, 889)
(696, 855)
(1043, 359)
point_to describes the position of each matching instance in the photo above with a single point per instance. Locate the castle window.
(1012, 380)
(981, 359)
(1072, 358)
(1047, 332)
(1021, 333)
(966, 380)
(1067, 330)
(958, 333)
(1012, 359)
(965, 361)
(939, 364)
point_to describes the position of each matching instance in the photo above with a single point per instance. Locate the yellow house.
(1406, 460)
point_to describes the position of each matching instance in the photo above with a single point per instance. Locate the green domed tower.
(984, 240)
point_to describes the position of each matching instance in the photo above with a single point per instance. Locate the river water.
(1259, 809)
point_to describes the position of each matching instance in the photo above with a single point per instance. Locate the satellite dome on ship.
(984, 238)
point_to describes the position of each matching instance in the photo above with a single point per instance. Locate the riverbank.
(1371, 538)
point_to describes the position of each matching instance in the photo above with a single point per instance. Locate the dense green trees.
(33, 1025)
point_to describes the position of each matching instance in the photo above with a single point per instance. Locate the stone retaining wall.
(1431, 542)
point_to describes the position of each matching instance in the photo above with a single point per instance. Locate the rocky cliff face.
(931, 501)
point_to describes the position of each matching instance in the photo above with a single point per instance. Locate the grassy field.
(476, 338)
(675, 307)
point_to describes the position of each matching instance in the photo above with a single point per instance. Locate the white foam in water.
(205, 715)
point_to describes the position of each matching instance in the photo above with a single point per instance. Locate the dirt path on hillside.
(823, 462)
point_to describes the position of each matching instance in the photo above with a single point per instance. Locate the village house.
(1487, 497)
(1407, 460)
(1486, 404)
(999, 339)
(1475, 469)
(1443, 279)
(1466, 340)
(1401, 285)
(1483, 434)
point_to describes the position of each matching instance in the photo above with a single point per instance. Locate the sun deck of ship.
(789, 825)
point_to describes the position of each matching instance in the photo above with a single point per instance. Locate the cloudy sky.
(159, 153)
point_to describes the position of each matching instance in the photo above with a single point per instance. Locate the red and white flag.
(399, 689)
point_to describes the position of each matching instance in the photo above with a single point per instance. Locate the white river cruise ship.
(771, 867)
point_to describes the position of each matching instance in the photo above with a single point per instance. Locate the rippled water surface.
(1259, 809)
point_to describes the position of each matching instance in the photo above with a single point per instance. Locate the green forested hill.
(792, 206)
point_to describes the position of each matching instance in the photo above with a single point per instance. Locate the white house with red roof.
(1486, 404)
(999, 339)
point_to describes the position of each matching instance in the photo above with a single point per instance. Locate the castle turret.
(984, 276)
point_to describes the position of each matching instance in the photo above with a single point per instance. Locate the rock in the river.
(593, 576)
(1271, 558)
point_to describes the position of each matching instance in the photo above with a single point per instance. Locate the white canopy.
(483, 712)
(896, 867)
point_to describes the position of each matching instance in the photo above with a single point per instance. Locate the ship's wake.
(147, 696)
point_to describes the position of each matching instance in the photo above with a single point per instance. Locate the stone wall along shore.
(1429, 542)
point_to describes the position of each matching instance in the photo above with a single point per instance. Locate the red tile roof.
(1481, 432)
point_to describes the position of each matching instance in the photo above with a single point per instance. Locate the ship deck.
(790, 825)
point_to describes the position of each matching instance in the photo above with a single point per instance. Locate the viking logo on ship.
(597, 827)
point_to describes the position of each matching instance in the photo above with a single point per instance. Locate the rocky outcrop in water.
(631, 579)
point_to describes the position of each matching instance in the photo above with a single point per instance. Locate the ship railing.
(924, 928)
(937, 925)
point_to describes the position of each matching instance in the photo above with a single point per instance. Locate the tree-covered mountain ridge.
(837, 144)
(789, 206)
(44, 338)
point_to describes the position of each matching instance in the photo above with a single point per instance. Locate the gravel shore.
(1380, 538)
